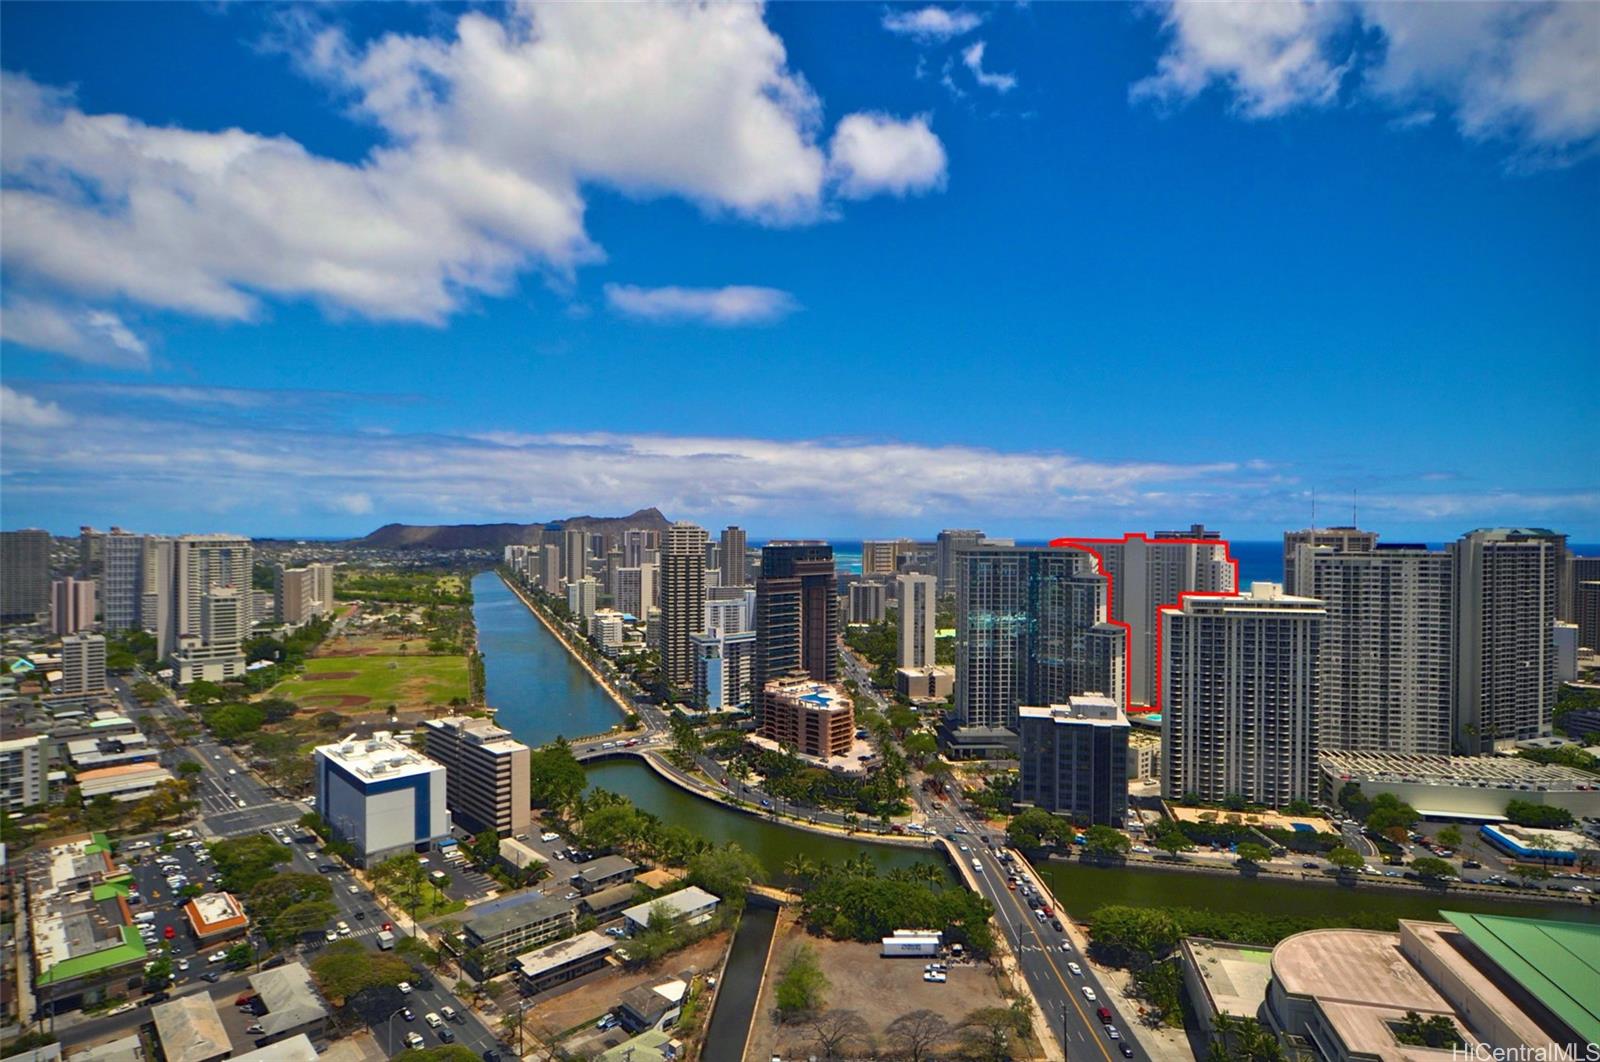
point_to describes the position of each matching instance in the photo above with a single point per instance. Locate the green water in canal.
(1081, 889)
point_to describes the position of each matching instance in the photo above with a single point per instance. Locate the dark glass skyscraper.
(797, 613)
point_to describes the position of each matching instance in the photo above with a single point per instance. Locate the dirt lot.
(599, 992)
(878, 989)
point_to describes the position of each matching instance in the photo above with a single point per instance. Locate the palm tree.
(801, 867)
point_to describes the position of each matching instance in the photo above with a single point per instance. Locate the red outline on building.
(1087, 545)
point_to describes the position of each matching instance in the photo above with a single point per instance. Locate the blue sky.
(822, 269)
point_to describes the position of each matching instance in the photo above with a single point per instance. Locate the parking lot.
(169, 925)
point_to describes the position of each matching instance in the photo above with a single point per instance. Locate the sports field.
(363, 683)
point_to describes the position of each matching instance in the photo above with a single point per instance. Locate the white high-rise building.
(303, 594)
(1338, 539)
(869, 601)
(724, 663)
(121, 579)
(83, 663)
(919, 608)
(583, 597)
(636, 590)
(1239, 697)
(683, 599)
(1386, 672)
(216, 652)
(186, 570)
(24, 772)
(382, 797)
(1147, 573)
(1507, 584)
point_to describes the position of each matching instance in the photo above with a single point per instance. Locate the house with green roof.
(81, 930)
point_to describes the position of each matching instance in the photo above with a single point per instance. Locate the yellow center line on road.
(1065, 985)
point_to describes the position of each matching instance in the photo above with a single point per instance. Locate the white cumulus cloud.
(930, 25)
(732, 305)
(23, 412)
(490, 134)
(1525, 73)
(874, 153)
(972, 57)
(96, 337)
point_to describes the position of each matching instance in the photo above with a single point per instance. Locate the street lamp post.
(390, 1025)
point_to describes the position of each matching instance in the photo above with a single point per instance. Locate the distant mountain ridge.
(498, 536)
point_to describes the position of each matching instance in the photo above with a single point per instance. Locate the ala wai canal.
(540, 693)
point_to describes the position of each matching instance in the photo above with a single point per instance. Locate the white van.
(547, 837)
(977, 866)
(145, 916)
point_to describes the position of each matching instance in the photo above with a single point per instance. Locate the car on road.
(403, 986)
(1104, 1015)
(183, 964)
(1127, 1052)
(1308, 865)
(1088, 993)
(408, 1014)
(1111, 1031)
(414, 1040)
(1077, 971)
(213, 977)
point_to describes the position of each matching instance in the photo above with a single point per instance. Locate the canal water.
(741, 985)
(540, 693)
(538, 690)
(1082, 889)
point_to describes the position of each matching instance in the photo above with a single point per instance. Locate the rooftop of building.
(79, 915)
(537, 962)
(477, 731)
(290, 996)
(380, 756)
(818, 696)
(1484, 772)
(214, 911)
(122, 770)
(605, 866)
(491, 919)
(1235, 976)
(690, 898)
(295, 1049)
(190, 1029)
(652, 1045)
(608, 898)
(1092, 708)
(1558, 963)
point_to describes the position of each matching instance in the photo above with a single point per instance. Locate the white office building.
(1337, 539)
(383, 797)
(216, 653)
(1386, 674)
(724, 663)
(1239, 690)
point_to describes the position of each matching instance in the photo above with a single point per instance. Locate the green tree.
(1345, 859)
(802, 986)
(299, 919)
(1449, 837)
(201, 692)
(189, 768)
(159, 974)
(991, 1033)
(1034, 829)
(239, 955)
(231, 722)
(245, 862)
(1105, 842)
(1171, 839)
(1538, 816)
(725, 871)
(1389, 812)
(345, 968)
(1251, 854)
(558, 778)
(1435, 869)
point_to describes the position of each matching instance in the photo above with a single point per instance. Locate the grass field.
(369, 682)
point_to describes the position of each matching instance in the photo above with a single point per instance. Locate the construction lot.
(878, 989)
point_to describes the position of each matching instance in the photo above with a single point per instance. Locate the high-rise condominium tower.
(1239, 697)
(683, 599)
(1031, 628)
(1507, 583)
(797, 613)
(1340, 539)
(24, 574)
(575, 555)
(1146, 574)
(952, 540)
(121, 579)
(733, 554)
(71, 605)
(1385, 669)
(918, 610)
